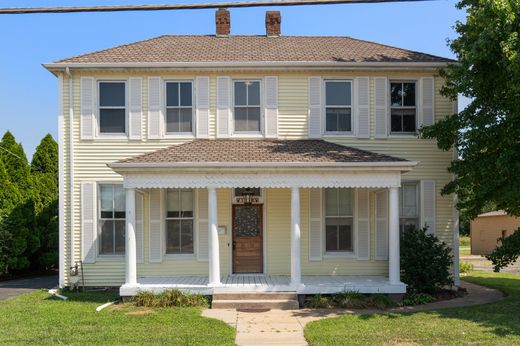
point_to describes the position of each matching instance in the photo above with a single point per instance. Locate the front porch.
(310, 284)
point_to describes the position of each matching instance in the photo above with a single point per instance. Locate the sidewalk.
(285, 327)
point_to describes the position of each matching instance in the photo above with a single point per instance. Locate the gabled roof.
(259, 152)
(493, 213)
(251, 49)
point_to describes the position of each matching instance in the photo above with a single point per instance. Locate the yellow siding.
(91, 158)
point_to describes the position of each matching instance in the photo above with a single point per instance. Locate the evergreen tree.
(16, 163)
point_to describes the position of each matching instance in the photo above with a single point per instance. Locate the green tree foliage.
(16, 164)
(487, 131)
(425, 261)
(507, 252)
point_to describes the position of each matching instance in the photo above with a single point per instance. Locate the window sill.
(247, 135)
(338, 134)
(180, 135)
(345, 254)
(185, 257)
(404, 135)
(110, 258)
(111, 136)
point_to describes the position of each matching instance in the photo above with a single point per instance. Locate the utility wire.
(195, 6)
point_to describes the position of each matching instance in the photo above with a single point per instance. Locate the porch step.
(255, 300)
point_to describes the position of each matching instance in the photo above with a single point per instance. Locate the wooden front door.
(247, 239)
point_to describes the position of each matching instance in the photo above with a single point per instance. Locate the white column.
(295, 237)
(214, 255)
(130, 251)
(393, 237)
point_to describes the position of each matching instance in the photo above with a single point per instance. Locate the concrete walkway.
(285, 327)
(12, 288)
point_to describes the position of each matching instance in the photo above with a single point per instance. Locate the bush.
(465, 267)
(350, 300)
(425, 261)
(318, 301)
(380, 301)
(507, 252)
(170, 298)
(417, 299)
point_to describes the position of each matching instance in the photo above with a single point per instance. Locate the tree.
(507, 252)
(16, 164)
(487, 131)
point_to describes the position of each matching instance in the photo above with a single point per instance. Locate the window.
(403, 110)
(179, 107)
(112, 107)
(409, 206)
(179, 221)
(247, 106)
(338, 106)
(339, 206)
(112, 209)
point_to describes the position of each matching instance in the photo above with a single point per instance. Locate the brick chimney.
(223, 22)
(273, 20)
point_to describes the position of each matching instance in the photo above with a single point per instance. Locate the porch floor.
(311, 284)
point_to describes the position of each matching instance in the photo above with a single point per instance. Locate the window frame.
(324, 108)
(100, 255)
(194, 219)
(390, 107)
(98, 109)
(346, 253)
(193, 109)
(417, 200)
(259, 133)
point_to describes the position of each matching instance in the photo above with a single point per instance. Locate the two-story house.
(248, 163)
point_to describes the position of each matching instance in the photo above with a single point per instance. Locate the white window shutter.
(154, 108)
(135, 113)
(381, 225)
(139, 226)
(155, 240)
(428, 196)
(363, 224)
(381, 106)
(316, 224)
(427, 92)
(202, 217)
(315, 107)
(271, 106)
(362, 113)
(88, 96)
(202, 102)
(88, 222)
(223, 106)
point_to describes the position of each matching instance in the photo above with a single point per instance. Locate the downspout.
(71, 167)
(61, 185)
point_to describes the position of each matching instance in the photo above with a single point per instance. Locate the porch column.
(214, 260)
(295, 237)
(393, 237)
(130, 251)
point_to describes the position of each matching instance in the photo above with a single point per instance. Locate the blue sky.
(28, 92)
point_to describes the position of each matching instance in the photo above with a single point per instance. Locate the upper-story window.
(112, 107)
(409, 206)
(111, 219)
(338, 106)
(247, 110)
(179, 107)
(403, 107)
(339, 219)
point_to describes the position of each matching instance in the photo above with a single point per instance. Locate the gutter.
(71, 166)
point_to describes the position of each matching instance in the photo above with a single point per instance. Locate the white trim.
(324, 107)
(71, 168)
(247, 134)
(178, 135)
(61, 188)
(267, 64)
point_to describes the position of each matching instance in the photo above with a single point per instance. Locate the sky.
(28, 92)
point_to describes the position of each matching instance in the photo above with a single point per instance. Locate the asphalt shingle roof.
(209, 48)
(257, 151)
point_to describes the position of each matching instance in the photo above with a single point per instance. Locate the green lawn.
(36, 319)
(464, 246)
(490, 324)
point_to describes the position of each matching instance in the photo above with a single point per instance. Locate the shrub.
(350, 299)
(417, 299)
(318, 301)
(465, 267)
(380, 301)
(425, 261)
(170, 298)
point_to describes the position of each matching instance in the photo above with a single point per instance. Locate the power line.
(119, 8)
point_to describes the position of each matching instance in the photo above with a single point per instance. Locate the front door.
(247, 239)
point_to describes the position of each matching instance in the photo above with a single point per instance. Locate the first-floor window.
(339, 206)
(179, 221)
(409, 206)
(111, 219)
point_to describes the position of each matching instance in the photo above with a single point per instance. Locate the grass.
(489, 324)
(37, 319)
(464, 246)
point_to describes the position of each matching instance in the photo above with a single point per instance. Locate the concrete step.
(255, 304)
(255, 295)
